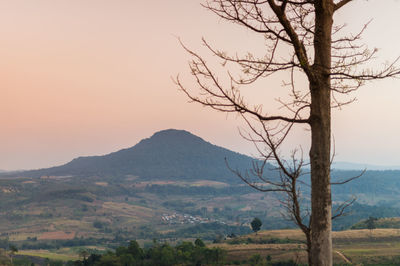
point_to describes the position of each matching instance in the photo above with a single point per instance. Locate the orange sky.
(90, 77)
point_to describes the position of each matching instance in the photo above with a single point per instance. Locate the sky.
(80, 78)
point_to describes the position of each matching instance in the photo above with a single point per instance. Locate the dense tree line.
(163, 254)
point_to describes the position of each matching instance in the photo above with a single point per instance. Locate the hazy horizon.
(340, 165)
(89, 78)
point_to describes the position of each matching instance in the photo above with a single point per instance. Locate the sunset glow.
(91, 77)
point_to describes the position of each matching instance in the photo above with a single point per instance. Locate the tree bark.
(320, 122)
(308, 239)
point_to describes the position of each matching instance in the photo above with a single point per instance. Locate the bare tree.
(334, 66)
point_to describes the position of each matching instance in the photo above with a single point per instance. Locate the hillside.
(392, 222)
(171, 185)
(168, 154)
(178, 155)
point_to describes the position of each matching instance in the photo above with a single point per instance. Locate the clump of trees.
(256, 225)
(163, 254)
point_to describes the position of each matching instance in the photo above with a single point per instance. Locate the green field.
(63, 255)
(359, 247)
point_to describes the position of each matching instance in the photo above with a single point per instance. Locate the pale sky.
(91, 77)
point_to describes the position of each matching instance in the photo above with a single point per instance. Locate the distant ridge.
(168, 154)
(362, 166)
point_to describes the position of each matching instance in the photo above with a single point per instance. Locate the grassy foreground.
(357, 247)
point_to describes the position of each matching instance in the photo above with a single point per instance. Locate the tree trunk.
(308, 238)
(321, 209)
(320, 121)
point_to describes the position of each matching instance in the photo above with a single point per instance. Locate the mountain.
(90, 196)
(361, 166)
(168, 154)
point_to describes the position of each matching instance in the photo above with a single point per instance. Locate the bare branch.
(224, 100)
(349, 179)
(341, 4)
(342, 207)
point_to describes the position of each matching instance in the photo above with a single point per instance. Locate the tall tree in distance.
(302, 41)
(256, 225)
(370, 222)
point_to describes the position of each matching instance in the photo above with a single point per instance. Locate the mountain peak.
(172, 132)
(175, 135)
